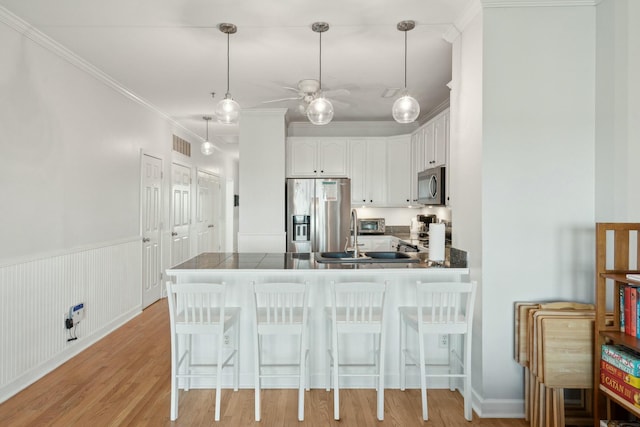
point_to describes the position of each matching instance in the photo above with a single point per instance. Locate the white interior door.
(180, 212)
(151, 223)
(208, 207)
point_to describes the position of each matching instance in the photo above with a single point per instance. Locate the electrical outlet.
(77, 312)
(443, 341)
(227, 340)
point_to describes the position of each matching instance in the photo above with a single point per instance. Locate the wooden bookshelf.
(623, 240)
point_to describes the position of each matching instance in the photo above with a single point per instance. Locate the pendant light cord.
(227, 94)
(405, 60)
(320, 77)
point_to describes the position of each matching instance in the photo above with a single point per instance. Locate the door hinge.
(161, 276)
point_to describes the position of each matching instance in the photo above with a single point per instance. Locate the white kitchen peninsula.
(237, 270)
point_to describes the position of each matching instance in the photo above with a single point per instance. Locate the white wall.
(538, 176)
(617, 110)
(71, 143)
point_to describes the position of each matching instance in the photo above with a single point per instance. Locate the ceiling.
(171, 53)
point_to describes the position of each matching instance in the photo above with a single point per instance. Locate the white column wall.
(538, 157)
(465, 166)
(262, 179)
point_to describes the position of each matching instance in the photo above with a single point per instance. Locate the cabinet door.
(399, 171)
(332, 157)
(429, 145)
(376, 172)
(302, 157)
(419, 161)
(357, 173)
(441, 138)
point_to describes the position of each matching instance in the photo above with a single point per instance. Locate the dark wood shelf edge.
(622, 338)
(620, 276)
(620, 401)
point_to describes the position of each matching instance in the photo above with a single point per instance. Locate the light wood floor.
(125, 380)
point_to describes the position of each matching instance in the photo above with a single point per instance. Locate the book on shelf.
(628, 393)
(633, 276)
(620, 374)
(622, 301)
(622, 358)
(633, 310)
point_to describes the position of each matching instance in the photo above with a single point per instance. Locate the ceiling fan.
(307, 91)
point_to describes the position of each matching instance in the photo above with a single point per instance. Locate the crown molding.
(37, 36)
(537, 3)
(467, 15)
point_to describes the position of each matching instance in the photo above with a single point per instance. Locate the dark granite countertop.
(305, 261)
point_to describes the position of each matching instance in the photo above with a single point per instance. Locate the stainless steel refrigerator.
(317, 214)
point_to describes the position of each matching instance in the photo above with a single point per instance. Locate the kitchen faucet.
(354, 232)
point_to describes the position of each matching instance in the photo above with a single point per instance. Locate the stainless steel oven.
(371, 226)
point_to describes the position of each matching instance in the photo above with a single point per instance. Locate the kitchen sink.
(377, 255)
(366, 257)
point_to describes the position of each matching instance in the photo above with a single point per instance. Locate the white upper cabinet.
(400, 172)
(317, 157)
(437, 138)
(368, 171)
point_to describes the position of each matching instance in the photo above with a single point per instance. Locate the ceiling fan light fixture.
(406, 109)
(320, 110)
(227, 110)
(207, 147)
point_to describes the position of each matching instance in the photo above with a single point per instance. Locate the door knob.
(210, 226)
(173, 233)
(146, 239)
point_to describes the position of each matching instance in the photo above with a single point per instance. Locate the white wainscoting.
(36, 294)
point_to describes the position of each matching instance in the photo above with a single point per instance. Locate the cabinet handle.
(408, 200)
(370, 201)
(315, 171)
(364, 200)
(321, 171)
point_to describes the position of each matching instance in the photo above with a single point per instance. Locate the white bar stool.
(281, 309)
(199, 309)
(356, 308)
(444, 308)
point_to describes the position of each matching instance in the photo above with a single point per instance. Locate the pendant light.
(207, 147)
(405, 109)
(227, 110)
(320, 110)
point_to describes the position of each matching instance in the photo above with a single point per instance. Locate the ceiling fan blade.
(336, 92)
(279, 100)
(343, 104)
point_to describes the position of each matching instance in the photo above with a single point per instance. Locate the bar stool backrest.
(446, 307)
(196, 308)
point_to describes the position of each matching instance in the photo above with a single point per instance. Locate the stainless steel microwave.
(371, 226)
(431, 189)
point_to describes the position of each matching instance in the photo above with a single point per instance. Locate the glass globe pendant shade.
(320, 111)
(227, 110)
(406, 109)
(206, 148)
